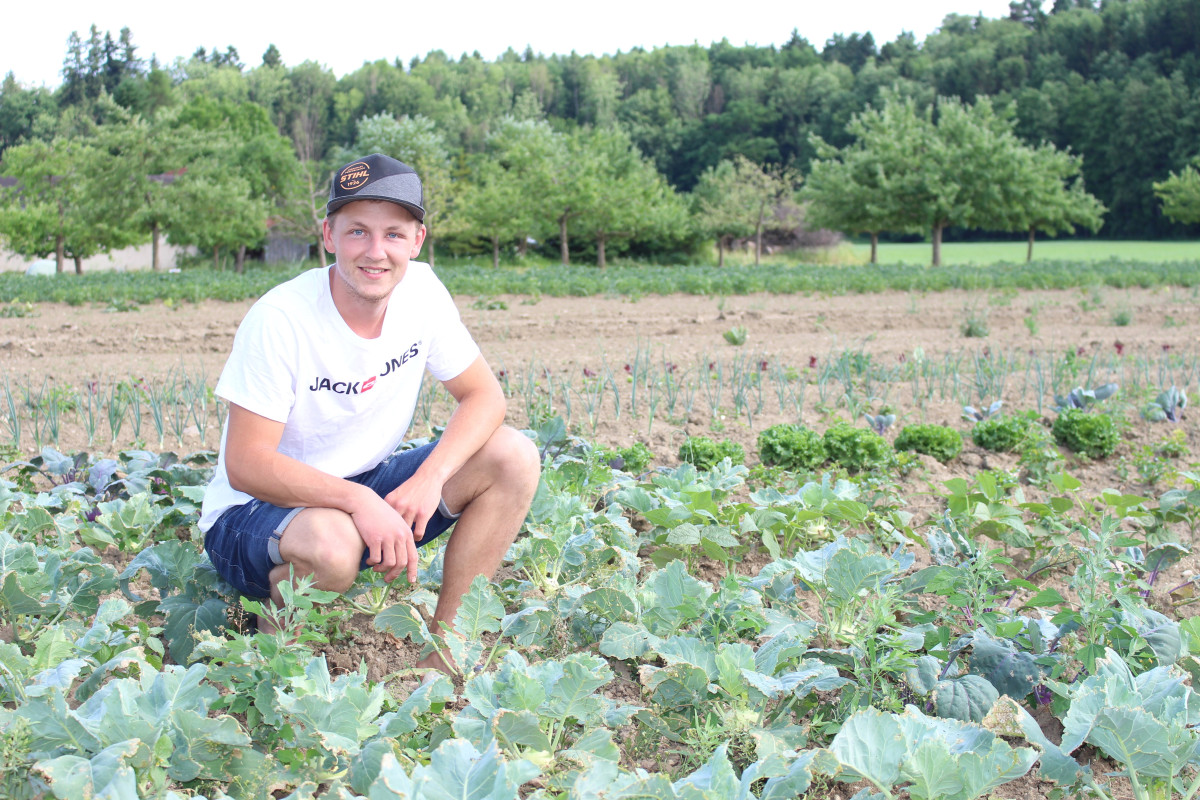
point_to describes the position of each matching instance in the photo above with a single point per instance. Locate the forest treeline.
(1115, 84)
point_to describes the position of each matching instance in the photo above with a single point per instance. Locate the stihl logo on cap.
(354, 176)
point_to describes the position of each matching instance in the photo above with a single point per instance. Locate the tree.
(215, 209)
(847, 190)
(622, 195)
(241, 138)
(715, 202)
(140, 164)
(1180, 194)
(490, 204)
(530, 151)
(512, 183)
(53, 207)
(734, 198)
(417, 142)
(271, 57)
(567, 197)
(1046, 194)
(944, 173)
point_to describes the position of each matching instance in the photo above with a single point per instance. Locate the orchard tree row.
(218, 176)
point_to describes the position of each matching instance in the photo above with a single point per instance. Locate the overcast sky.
(343, 37)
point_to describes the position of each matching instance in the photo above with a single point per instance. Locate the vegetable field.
(924, 545)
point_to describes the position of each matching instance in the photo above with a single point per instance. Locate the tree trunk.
(562, 240)
(600, 260)
(78, 265)
(758, 243)
(239, 263)
(154, 246)
(495, 252)
(216, 258)
(1029, 250)
(720, 251)
(429, 242)
(523, 245)
(937, 243)
(59, 255)
(874, 248)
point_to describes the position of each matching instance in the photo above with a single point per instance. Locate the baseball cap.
(377, 177)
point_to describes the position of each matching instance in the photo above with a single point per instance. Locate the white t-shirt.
(345, 401)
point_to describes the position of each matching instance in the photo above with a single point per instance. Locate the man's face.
(373, 241)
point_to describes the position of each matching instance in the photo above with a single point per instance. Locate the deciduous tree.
(54, 206)
(622, 195)
(1180, 194)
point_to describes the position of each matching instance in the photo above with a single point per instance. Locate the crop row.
(625, 279)
(777, 635)
(644, 388)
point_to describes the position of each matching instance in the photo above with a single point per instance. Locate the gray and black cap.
(377, 177)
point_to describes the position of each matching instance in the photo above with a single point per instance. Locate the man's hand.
(416, 500)
(387, 536)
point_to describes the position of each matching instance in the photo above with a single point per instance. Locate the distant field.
(1014, 252)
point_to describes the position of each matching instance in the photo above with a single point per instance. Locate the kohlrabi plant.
(1080, 398)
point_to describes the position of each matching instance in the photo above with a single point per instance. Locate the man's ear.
(327, 235)
(418, 241)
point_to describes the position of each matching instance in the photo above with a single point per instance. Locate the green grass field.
(1014, 252)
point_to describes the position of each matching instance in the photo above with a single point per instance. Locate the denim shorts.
(243, 544)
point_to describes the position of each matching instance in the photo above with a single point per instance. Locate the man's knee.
(516, 456)
(325, 543)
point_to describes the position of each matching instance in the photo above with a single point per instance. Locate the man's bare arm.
(255, 466)
(479, 413)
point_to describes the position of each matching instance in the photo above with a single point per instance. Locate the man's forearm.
(283, 481)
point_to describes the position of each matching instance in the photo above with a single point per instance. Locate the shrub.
(1002, 434)
(704, 453)
(1093, 435)
(791, 446)
(856, 449)
(932, 440)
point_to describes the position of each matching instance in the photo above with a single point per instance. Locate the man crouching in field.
(322, 382)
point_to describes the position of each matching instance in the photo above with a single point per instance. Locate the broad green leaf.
(625, 641)
(405, 719)
(795, 782)
(105, 775)
(1136, 740)
(574, 696)
(684, 535)
(984, 771)
(731, 661)
(715, 779)
(691, 651)
(519, 729)
(528, 627)
(609, 604)
(922, 676)
(850, 574)
(480, 611)
(931, 772)
(870, 746)
(403, 621)
(967, 698)
(1012, 672)
(186, 618)
(1045, 598)
(457, 771)
(204, 745)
